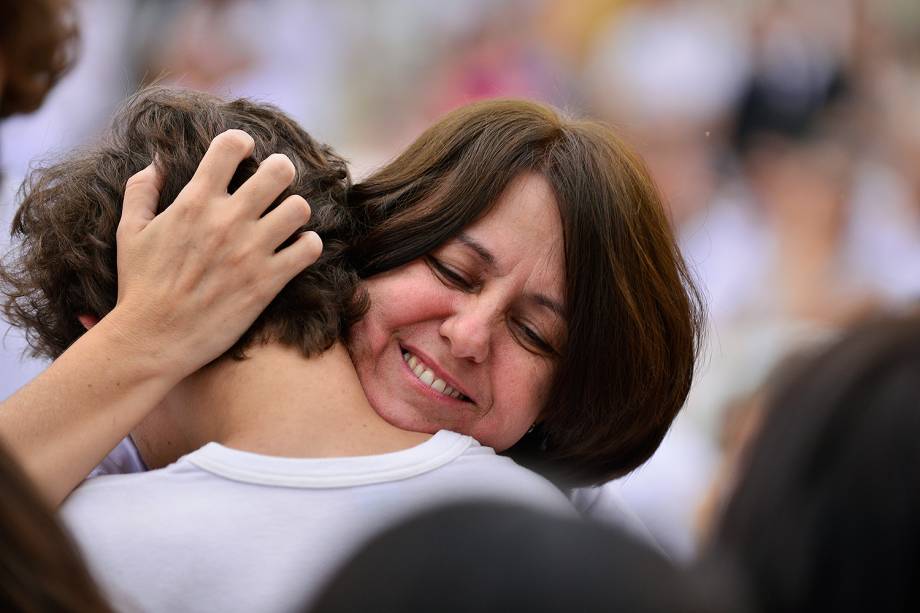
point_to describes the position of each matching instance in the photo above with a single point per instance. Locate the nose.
(468, 331)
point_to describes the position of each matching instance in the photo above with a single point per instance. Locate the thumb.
(142, 192)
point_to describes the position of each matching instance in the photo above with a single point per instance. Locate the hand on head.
(203, 270)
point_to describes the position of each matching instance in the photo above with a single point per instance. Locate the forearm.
(63, 423)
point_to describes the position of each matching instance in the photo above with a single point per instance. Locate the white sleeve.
(124, 459)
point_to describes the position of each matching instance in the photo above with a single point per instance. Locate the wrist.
(148, 353)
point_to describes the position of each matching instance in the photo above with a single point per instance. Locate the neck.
(275, 402)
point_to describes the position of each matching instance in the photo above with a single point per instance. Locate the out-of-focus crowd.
(784, 136)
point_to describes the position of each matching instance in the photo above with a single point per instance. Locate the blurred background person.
(783, 135)
(491, 558)
(823, 512)
(36, 49)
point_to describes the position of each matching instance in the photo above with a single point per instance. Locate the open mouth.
(427, 376)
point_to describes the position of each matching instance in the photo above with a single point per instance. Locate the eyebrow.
(484, 254)
(545, 301)
(488, 259)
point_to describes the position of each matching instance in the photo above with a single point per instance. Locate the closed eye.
(534, 340)
(450, 276)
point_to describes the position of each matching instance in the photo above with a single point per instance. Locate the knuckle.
(192, 200)
(244, 257)
(237, 262)
(214, 234)
(217, 233)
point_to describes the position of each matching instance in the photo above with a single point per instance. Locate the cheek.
(402, 298)
(398, 299)
(378, 322)
(521, 390)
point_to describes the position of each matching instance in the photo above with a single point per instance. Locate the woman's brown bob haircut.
(37, 47)
(64, 264)
(634, 315)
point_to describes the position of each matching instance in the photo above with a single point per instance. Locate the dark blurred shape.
(768, 110)
(37, 47)
(798, 78)
(487, 557)
(826, 516)
(40, 569)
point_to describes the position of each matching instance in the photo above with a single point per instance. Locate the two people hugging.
(503, 301)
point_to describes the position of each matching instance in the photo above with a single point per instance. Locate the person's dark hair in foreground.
(488, 557)
(40, 569)
(826, 516)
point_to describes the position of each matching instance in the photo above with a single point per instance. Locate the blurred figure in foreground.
(487, 557)
(40, 569)
(825, 514)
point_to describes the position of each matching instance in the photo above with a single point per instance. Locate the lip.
(438, 372)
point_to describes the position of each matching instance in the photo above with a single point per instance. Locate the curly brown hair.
(37, 47)
(63, 262)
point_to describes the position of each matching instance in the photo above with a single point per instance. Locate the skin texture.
(472, 322)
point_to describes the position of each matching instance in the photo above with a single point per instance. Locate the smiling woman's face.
(466, 338)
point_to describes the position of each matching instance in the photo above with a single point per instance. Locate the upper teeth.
(426, 376)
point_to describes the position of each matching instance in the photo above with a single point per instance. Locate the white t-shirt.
(227, 530)
(601, 503)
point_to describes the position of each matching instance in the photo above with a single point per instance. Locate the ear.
(88, 321)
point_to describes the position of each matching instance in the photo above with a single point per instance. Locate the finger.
(221, 160)
(278, 225)
(273, 176)
(142, 192)
(297, 256)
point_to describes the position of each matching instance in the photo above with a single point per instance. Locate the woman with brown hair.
(561, 328)
(608, 340)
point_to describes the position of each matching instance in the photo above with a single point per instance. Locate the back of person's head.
(65, 265)
(634, 317)
(40, 569)
(37, 45)
(826, 514)
(486, 557)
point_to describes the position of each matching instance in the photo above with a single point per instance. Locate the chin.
(406, 421)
